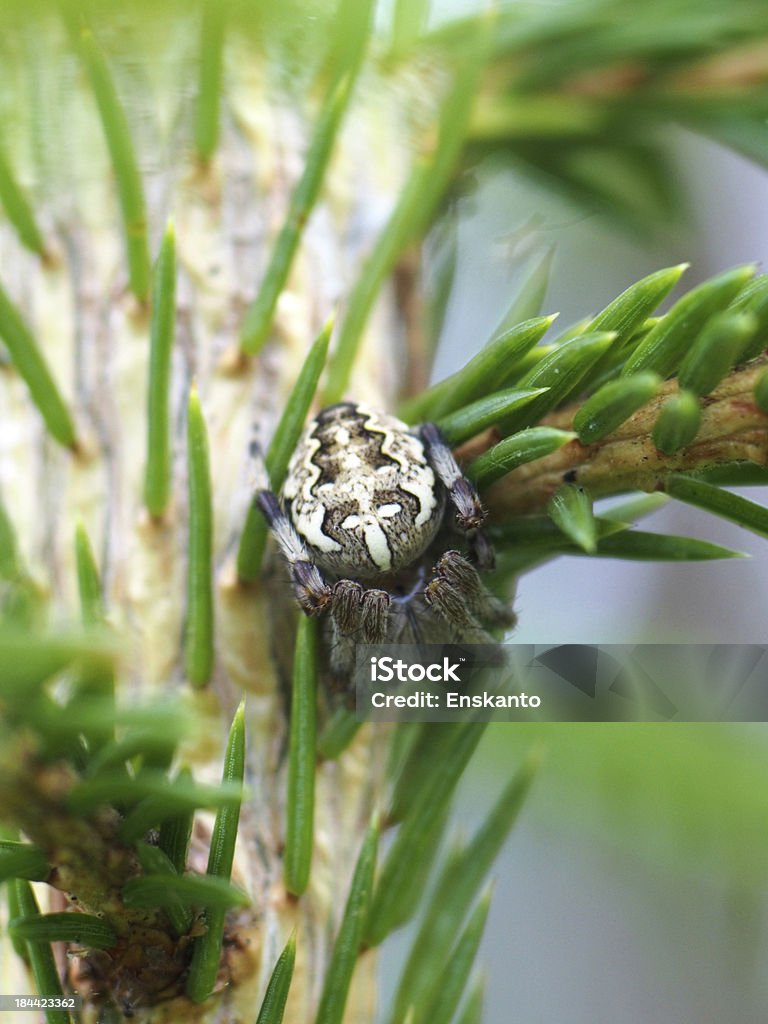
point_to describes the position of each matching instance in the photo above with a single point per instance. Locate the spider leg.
(470, 514)
(311, 590)
(360, 612)
(357, 616)
(375, 618)
(457, 593)
(346, 606)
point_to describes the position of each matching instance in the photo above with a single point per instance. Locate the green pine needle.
(28, 660)
(297, 406)
(155, 748)
(616, 541)
(629, 314)
(18, 209)
(157, 472)
(734, 474)
(39, 953)
(415, 207)
(254, 537)
(98, 683)
(199, 639)
(349, 31)
(457, 969)
(523, 530)
(259, 318)
(12, 901)
(209, 81)
(459, 426)
(173, 796)
(462, 875)
(440, 279)
(412, 884)
(754, 299)
(156, 863)
(630, 310)
(525, 446)
(154, 741)
(409, 19)
(529, 300)
(472, 1011)
(637, 545)
(390, 243)
(761, 391)
(632, 509)
(417, 761)
(534, 358)
(349, 938)
(22, 600)
(662, 349)
(338, 732)
(130, 191)
(571, 511)
(489, 370)
(273, 1005)
(10, 561)
(59, 734)
(492, 366)
(300, 797)
(166, 890)
(575, 330)
(22, 860)
(32, 367)
(561, 372)
(677, 423)
(399, 885)
(207, 949)
(721, 503)
(85, 930)
(159, 722)
(88, 579)
(175, 832)
(612, 404)
(720, 344)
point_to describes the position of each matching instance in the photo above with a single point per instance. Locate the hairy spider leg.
(311, 590)
(346, 606)
(470, 514)
(357, 616)
(360, 612)
(459, 596)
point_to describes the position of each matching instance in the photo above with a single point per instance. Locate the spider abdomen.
(360, 492)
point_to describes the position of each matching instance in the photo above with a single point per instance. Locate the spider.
(362, 508)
